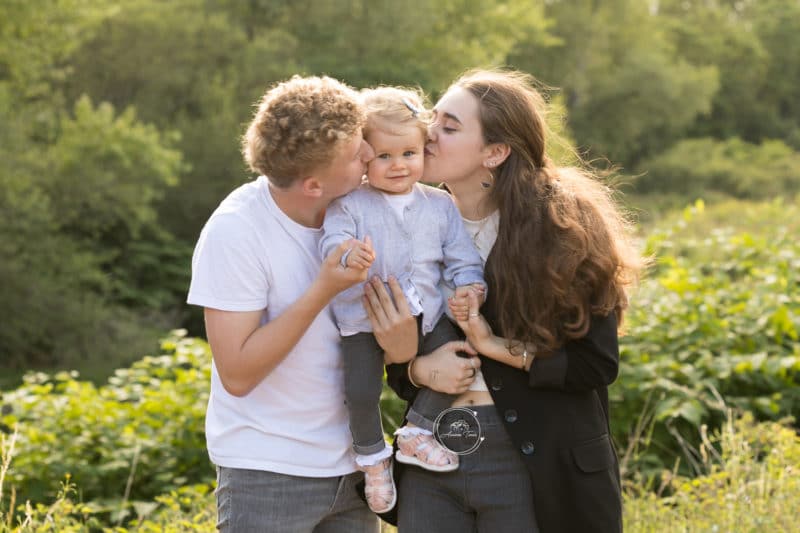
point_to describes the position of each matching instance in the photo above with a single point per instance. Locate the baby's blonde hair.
(393, 109)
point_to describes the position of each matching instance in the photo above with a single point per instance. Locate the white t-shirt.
(251, 256)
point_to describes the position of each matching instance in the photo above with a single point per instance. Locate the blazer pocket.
(594, 455)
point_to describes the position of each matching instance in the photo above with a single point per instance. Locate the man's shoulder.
(244, 211)
(243, 199)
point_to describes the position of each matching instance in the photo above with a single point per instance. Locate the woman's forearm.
(497, 348)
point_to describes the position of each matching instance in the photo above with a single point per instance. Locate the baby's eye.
(383, 156)
(409, 153)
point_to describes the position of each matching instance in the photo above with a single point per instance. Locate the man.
(276, 425)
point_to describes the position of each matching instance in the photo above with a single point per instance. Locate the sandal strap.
(427, 449)
(379, 485)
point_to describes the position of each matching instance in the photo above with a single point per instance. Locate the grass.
(751, 484)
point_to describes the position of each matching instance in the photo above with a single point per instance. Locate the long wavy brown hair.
(564, 250)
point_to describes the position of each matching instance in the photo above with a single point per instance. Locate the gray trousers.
(490, 492)
(253, 501)
(363, 383)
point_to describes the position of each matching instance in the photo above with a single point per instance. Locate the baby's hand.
(459, 302)
(361, 255)
(480, 290)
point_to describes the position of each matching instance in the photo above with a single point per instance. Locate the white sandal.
(379, 486)
(422, 450)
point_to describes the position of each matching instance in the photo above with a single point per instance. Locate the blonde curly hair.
(392, 109)
(299, 126)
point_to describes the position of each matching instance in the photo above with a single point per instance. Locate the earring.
(487, 184)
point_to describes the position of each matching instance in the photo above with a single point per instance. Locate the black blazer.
(557, 418)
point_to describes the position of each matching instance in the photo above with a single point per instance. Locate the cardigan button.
(527, 447)
(511, 415)
(497, 384)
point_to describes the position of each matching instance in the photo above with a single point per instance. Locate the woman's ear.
(496, 154)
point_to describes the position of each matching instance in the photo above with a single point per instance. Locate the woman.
(558, 260)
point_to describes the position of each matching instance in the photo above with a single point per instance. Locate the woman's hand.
(443, 370)
(394, 326)
(475, 327)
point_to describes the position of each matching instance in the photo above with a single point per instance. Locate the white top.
(251, 256)
(399, 202)
(483, 233)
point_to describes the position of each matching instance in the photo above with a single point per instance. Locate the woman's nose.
(432, 133)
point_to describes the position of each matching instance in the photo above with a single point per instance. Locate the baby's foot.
(421, 449)
(379, 486)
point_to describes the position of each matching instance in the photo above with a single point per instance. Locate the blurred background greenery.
(119, 127)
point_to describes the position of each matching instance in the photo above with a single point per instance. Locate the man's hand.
(334, 277)
(394, 326)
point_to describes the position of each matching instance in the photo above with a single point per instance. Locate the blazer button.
(527, 447)
(511, 415)
(497, 384)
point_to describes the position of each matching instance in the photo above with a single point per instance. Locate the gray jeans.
(490, 492)
(256, 501)
(363, 382)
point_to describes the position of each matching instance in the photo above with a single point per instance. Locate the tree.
(627, 90)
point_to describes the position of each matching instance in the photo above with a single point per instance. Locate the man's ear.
(312, 187)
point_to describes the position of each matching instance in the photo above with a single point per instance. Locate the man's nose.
(367, 153)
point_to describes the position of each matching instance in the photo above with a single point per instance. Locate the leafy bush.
(696, 167)
(714, 326)
(750, 484)
(76, 209)
(137, 437)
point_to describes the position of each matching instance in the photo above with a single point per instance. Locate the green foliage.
(423, 43)
(114, 155)
(698, 167)
(36, 38)
(715, 326)
(106, 173)
(753, 44)
(123, 443)
(749, 483)
(77, 192)
(627, 91)
(75, 210)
